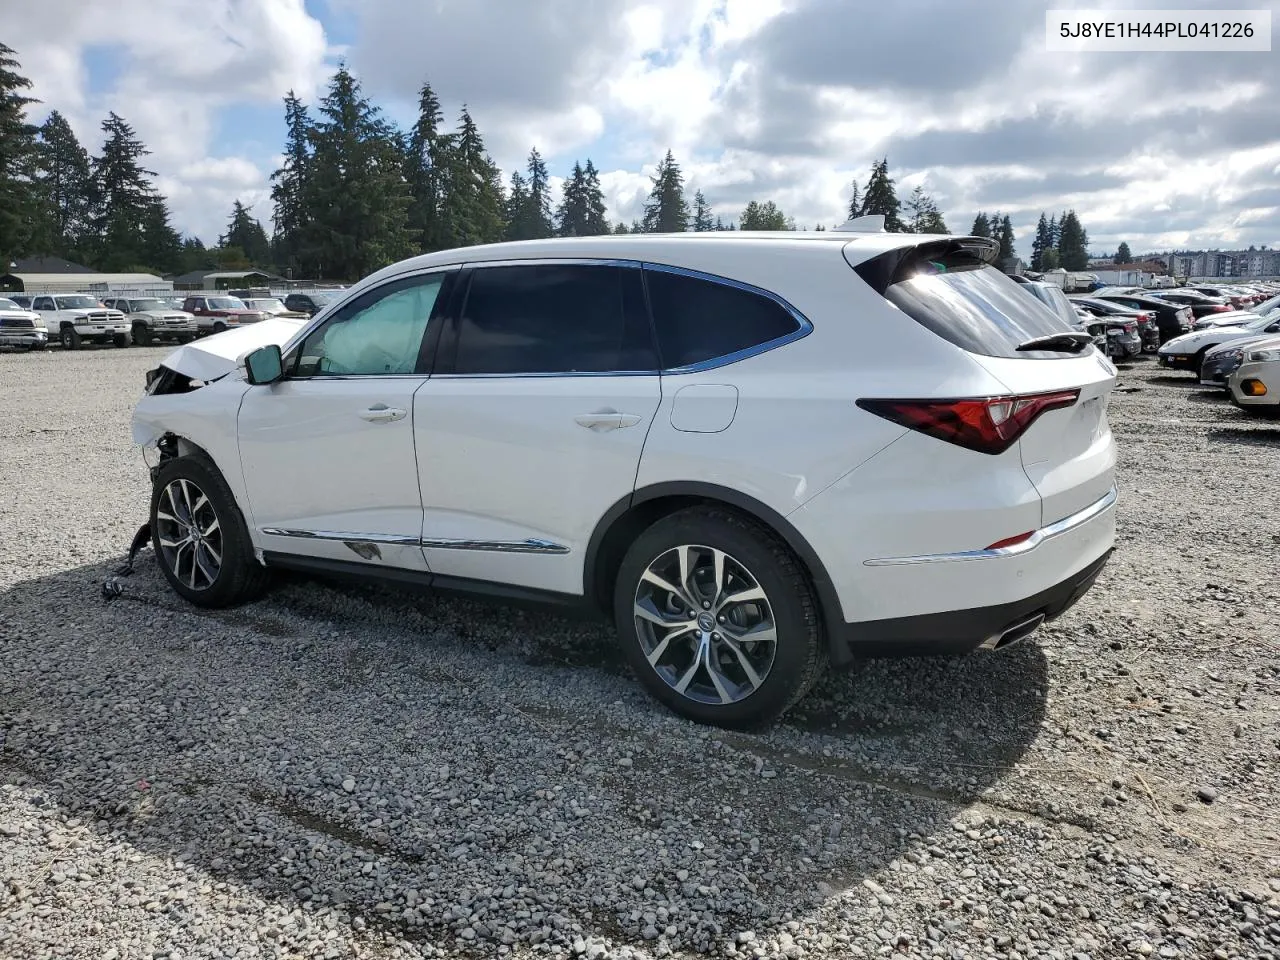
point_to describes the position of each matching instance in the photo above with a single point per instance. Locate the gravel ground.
(341, 772)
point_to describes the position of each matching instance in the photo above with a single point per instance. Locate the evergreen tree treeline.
(354, 193)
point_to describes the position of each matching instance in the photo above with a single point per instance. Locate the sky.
(783, 100)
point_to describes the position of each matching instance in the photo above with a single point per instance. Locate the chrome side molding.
(529, 545)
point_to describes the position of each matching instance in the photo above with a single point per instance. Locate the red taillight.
(1012, 541)
(986, 424)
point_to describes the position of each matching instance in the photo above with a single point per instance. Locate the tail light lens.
(985, 424)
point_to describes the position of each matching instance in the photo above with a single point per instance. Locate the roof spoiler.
(872, 223)
(882, 271)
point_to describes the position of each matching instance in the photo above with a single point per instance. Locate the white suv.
(758, 453)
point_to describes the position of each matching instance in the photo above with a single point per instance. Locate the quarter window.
(43, 303)
(553, 318)
(699, 319)
(378, 334)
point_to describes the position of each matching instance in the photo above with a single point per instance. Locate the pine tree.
(425, 171)
(666, 210)
(923, 214)
(571, 215)
(64, 188)
(1073, 245)
(1122, 253)
(472, 211)
(19, 163)
(620, 228)
(763, 216)
(122, 197)
(720, 223)
(516, 207)
(529, 205)
(855, 203)
(194, 256)
(161, 246)
(981, 226)
(245, 232)
(1050, 260)
(597, 220)
(1007, 250)
(288, 185)
(701, 213)
(354, 192)
(880, 198)
(1042, 242)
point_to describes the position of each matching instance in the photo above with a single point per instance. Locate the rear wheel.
(219, 327)
(69, 338)
(141, 335)
(199, 535)
(717, 619)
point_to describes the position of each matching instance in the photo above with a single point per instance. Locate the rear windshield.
(976, 307)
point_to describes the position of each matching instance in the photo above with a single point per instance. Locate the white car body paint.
(505, 479)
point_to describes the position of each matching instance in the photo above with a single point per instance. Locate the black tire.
(798, 657)
(186, 338)
(122, 339)
(141, 335)
(70, 339)
(1198, 363)
(38, 346)
(239, 576)
(219, 327)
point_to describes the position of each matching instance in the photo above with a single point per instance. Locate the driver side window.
(380, 333)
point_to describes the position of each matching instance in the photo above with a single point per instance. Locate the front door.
(533, 422)
(328, 452)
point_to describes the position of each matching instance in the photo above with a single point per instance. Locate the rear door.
(532, 424)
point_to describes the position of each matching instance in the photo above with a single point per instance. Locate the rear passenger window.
(699, 319)
(554, 318)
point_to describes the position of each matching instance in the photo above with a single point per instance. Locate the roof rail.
(872, 223)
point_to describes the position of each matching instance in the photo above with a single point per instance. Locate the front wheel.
(199, 535)
(219, 327)
(122, 340)
(70, 339)
(141, 335)
(717, 618)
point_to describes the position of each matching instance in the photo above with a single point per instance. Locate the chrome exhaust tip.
(1014, 634)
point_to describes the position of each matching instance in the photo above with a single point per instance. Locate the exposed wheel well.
(627, 519)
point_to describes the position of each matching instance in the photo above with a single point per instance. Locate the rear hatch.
(951, 288)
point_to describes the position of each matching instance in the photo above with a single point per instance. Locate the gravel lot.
(340, 772)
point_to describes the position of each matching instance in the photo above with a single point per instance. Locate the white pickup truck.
(75, 317)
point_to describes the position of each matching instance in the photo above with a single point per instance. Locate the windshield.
(321, 299)
(76, 303)
(226, 303)
(8, 305)
(1057, 301)
(270, 304)
(138, 306)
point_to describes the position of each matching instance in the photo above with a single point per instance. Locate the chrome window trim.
(803, 325)
(528, 545)
(1055, 529)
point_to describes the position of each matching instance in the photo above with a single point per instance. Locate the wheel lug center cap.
(706, 622)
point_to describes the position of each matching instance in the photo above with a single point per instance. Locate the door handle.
(603, 420)
(381, 413)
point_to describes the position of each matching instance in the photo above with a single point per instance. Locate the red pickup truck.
(215, 314)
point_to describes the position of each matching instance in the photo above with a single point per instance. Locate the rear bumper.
(963, 631)
(1057, 564)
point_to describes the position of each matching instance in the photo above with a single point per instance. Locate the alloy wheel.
(189, 534)
(705, 624)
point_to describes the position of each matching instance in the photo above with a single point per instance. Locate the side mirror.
(264, 365)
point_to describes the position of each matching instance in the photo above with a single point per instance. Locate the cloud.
(178, 65)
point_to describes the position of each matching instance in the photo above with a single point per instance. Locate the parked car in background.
(21, 328)
(1221, 361)
(1200, 304)
(1232, 318)
(78, 318)
(1172, 319)
(1187, 351)
(23, 300)
(273, 307)
(308, 303)
(1238, 298)
(151, 319)
(632, 425)
(1255, 385)
(1137, 332)
(218, 313)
